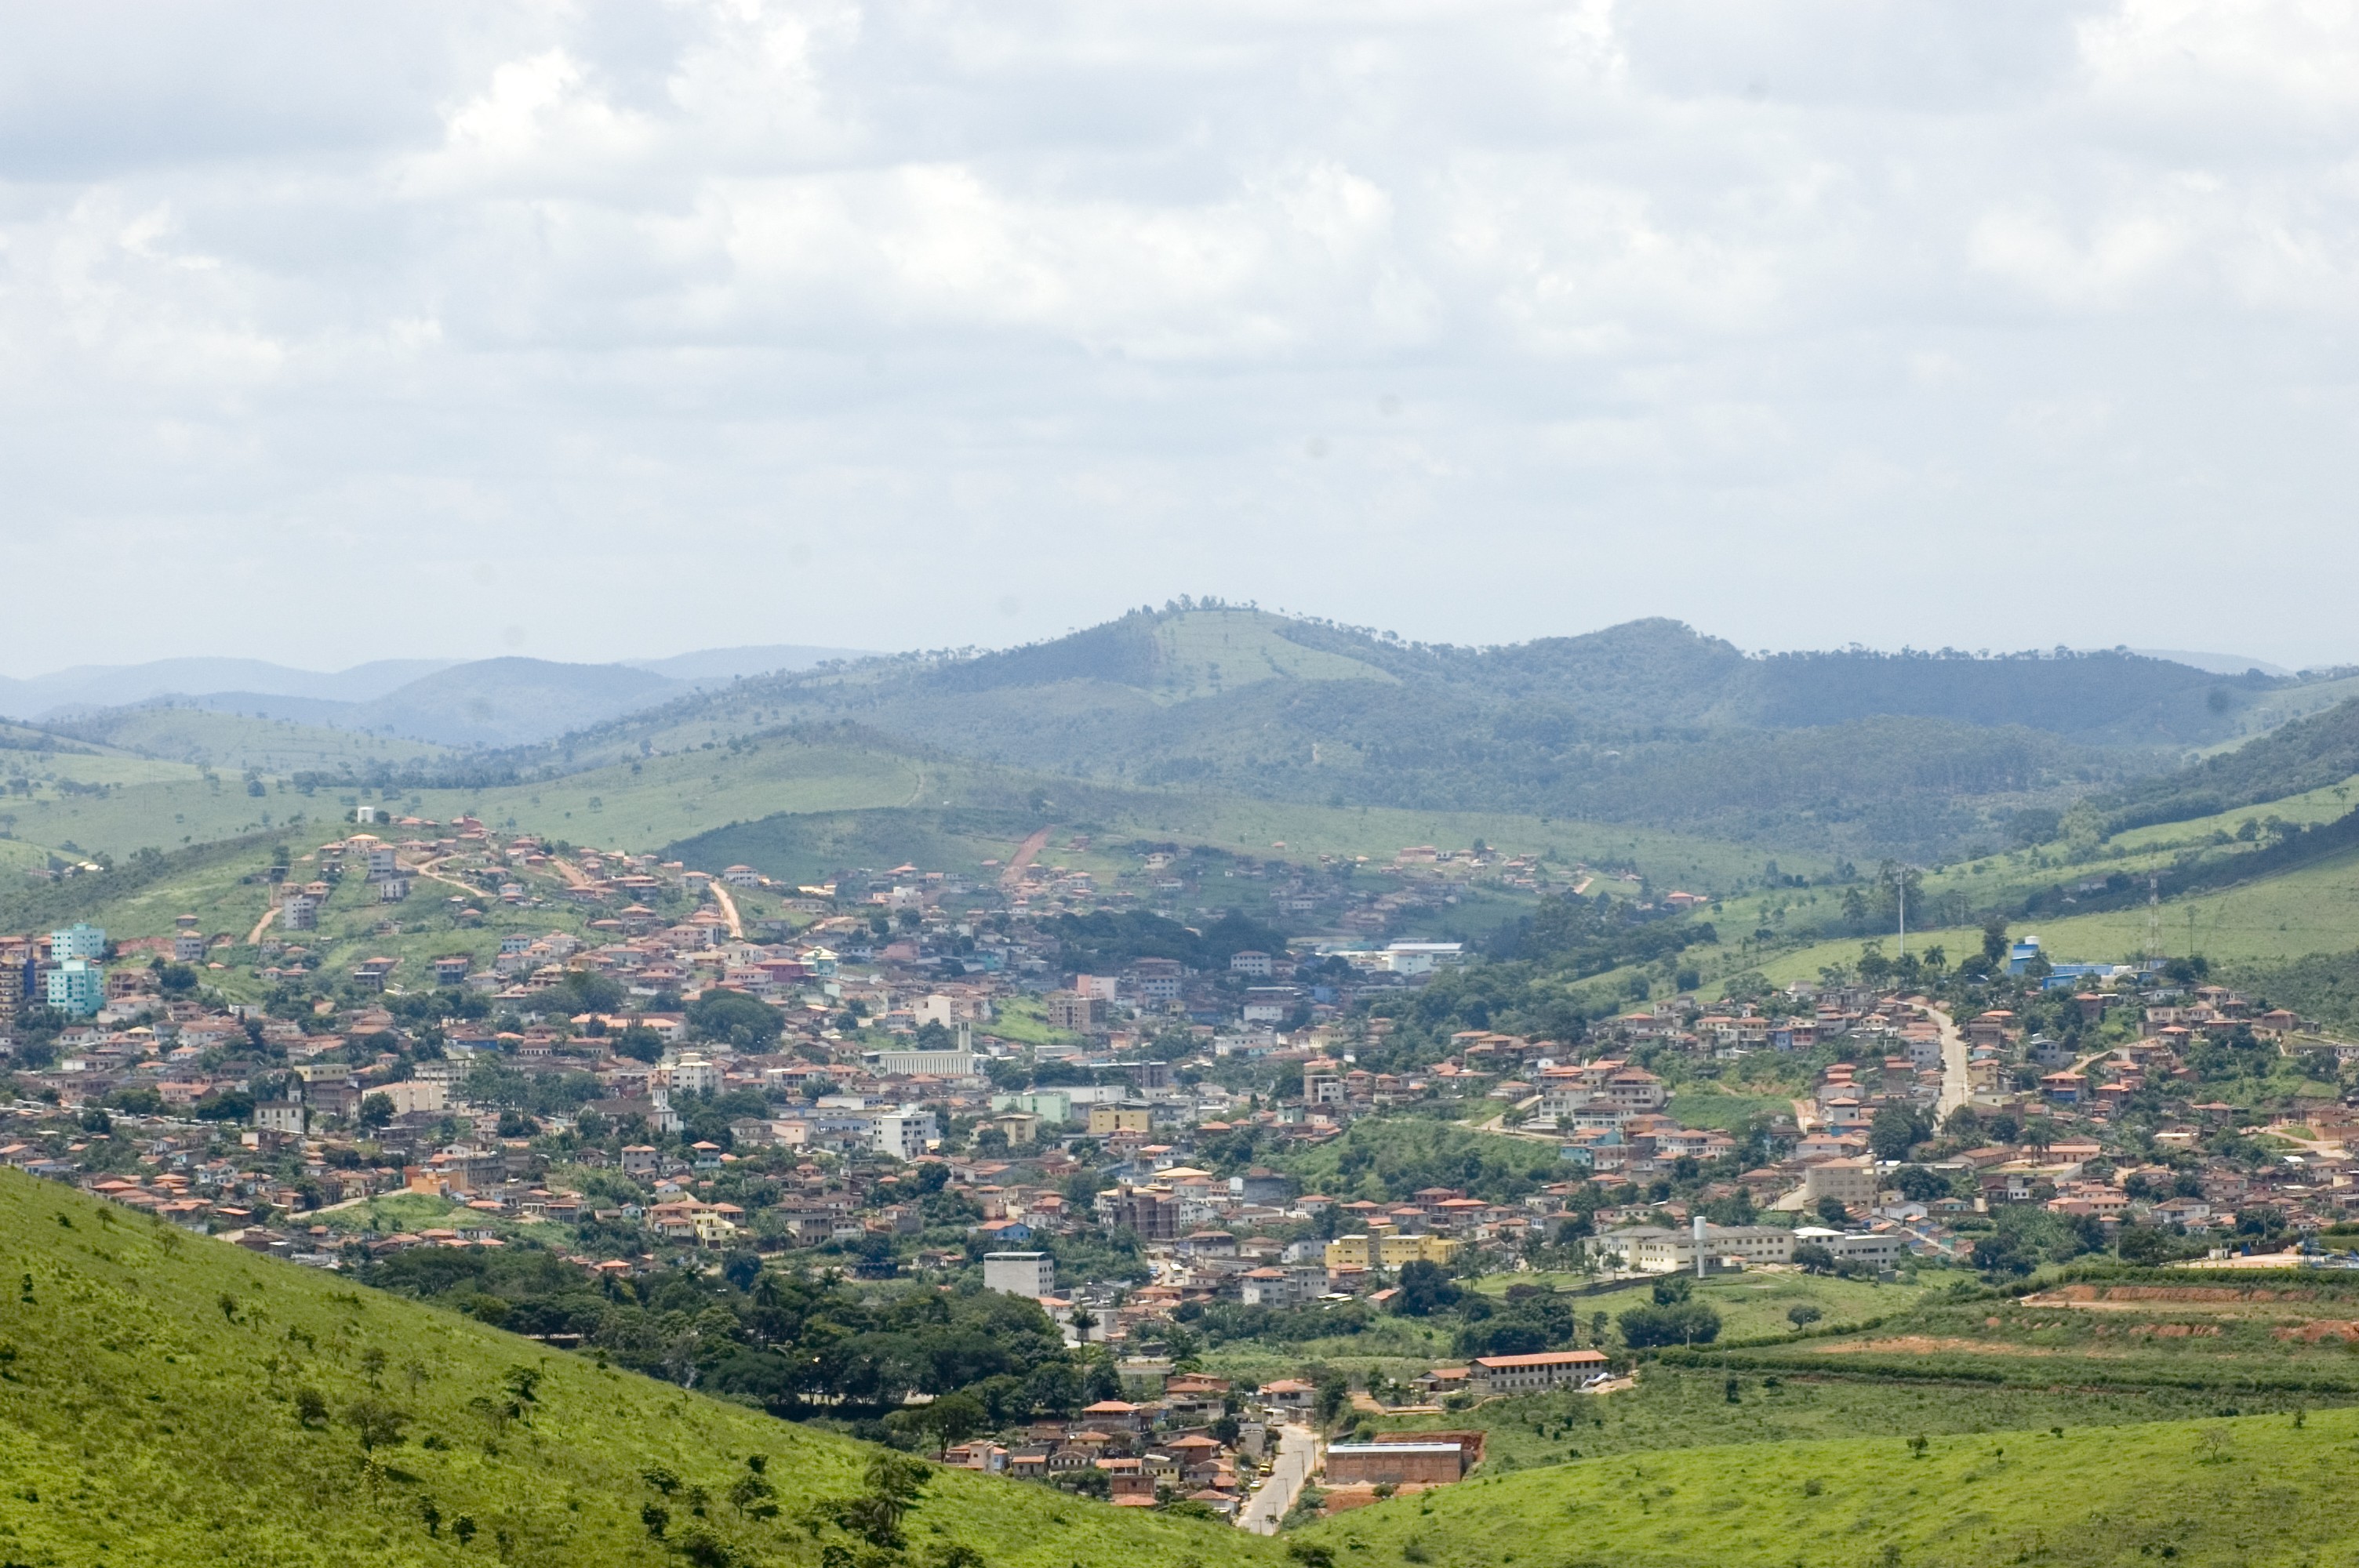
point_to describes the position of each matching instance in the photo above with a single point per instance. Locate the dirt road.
(728, 907)
(1957, 1085)
(1013, 877)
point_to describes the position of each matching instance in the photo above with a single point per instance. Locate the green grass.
(1392, 1348)
(1698, 1106)
(1389, 1159)
(391, 1213)
(1672, 1407)
(1751, 1305)
(2258, 1489)
(232, 742)
(803, 801)
(148, 1382)
(2313, 909)
(1205, 651)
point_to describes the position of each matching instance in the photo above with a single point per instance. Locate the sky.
(597, 331)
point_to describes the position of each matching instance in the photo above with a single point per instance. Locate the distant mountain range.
(486, 702)
(1850, 751)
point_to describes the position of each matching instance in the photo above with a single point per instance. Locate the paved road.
(1957, 1087)
(1298, 1453)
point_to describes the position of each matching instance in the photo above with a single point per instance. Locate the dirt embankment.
(1924, 1344)
(2318, 1332)
(2141, 1298)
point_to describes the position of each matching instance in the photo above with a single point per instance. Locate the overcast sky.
(603, 331)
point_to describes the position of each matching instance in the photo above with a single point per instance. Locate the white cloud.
(872, 318)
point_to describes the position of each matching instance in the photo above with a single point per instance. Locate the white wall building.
(904, 1133)
(1032, 1274)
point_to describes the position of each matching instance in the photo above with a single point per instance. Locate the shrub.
(1688, 1322)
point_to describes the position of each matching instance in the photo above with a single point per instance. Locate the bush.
(1687, 1323)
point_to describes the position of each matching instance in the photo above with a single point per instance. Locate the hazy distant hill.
(726, 664)
(489, 702)
(1847, 751)
(1644, 722)
(2308, 754)
(495, 702)
(115, 686)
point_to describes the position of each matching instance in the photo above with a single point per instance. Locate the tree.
(952, 1418)
(1918, 1184)
(735, 1018)
(1687, 1323)
(1893, 1132)
(640, 1043)
(1334, 1396)
(1812, 1258)
(1994, 942)
(376, 1422)
(1424, 1289)
(1999, 1256)
(2145, 1244)
(1804, 1316)
(376, 1110)
(1832, 1210)
(752, 1496)
(895, 1481)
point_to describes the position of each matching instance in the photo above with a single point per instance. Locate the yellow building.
(1388, 1251)
(1350, 1252)
(1111, 1119)
(1394, 1251)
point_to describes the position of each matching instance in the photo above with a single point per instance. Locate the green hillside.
(2310, 909)
(167, 1400)
(1648, 723)
(2257, 1489)
(797, 846)
(2310, 753)
(236, 742)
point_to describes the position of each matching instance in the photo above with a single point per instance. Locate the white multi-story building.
(1880, 1249)
(1656, 1250)
(693, 1075)
(1032, 1274)
(904, 1133)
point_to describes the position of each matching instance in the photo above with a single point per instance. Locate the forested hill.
(1646, 674)
(1648, 722)
(1849, 753)
(2307, 754)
